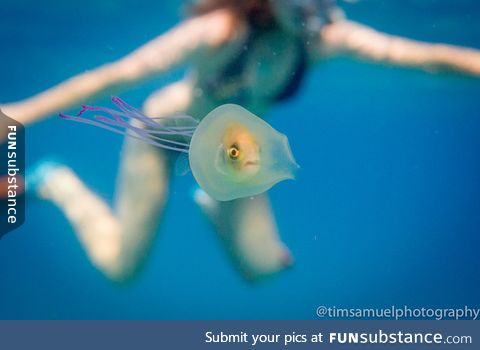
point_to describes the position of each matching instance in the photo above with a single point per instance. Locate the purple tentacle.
(179, 116)
(115, 114)
(141, 131)
(133, 112)
(116, 119)
(125, 124)
(137, 114)
(125, 133)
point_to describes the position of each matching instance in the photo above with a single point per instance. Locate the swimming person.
(249, 52)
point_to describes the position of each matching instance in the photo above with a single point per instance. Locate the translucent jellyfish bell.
(235, 154)
(232, 152)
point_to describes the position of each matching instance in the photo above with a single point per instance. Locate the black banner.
(12, 166)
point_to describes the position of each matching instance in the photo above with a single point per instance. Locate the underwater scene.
(381, 137)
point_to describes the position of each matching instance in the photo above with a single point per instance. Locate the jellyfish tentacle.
(144, 133)
(127, 125)
(186, 131)
(179, 116)
(137, 114)
(139, 131)
(153, 133)
(115, 114)
(97, 124)
(165, 132)
(132, 112)
(139, 135)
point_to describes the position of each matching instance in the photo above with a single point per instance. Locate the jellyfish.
(231, 152)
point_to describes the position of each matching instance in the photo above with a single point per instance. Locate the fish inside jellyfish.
(232, 153)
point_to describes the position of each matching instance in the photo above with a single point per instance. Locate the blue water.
(387, 204)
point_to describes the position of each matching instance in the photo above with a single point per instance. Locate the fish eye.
(234, 152)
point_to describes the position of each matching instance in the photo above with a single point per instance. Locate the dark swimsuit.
(233, 73)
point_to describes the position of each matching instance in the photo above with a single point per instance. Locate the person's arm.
(347, 37)
(162, 53)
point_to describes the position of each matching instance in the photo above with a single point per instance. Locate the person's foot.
(206, 203)
(37, 175)
(5, 183)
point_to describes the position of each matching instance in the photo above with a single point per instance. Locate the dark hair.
(257, 13)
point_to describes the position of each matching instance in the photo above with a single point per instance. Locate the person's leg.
(117, 242)
(166, 101)
(247, 228)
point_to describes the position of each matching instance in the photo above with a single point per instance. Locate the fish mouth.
(251, 167)
(251, 163)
